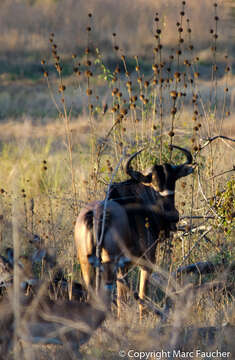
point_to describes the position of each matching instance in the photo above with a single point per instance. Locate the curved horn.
(136, 175)
(185, 151)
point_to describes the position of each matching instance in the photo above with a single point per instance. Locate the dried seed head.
(123, 111)
(88, 73)
(58, 67)
(87, 51)
(177, 75)
(134, 98)
(116, 47)
(171, 133)
(45, 74)
(173, 94)
(146, 84)
(89, 92)
(196, 75)
(117, 70)
(88, 29)
(90, 15)
(115, 91)
(173, 110)
(74, 56)
(62, 88)
(155, 67)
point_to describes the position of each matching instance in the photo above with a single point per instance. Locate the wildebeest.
(137, 210)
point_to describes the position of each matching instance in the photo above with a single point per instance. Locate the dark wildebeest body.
(140, 213)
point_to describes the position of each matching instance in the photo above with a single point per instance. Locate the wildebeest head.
(162, 177)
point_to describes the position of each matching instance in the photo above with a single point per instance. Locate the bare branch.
(224, 172)
(210, 139)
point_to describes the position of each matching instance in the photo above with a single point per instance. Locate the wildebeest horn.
(136, 175)
(186, 152)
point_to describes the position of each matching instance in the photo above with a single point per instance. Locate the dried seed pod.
(62, 88)
(89, 92)
(173, 110)
(173, 94)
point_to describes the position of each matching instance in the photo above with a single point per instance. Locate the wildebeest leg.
(86, 273)
(121, 292)
(144, 275)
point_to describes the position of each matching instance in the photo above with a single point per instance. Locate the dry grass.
(50, 154)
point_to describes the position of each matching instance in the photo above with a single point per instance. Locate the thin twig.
(195, 244)
(224, 172)
(210, 139)
(100, 240)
